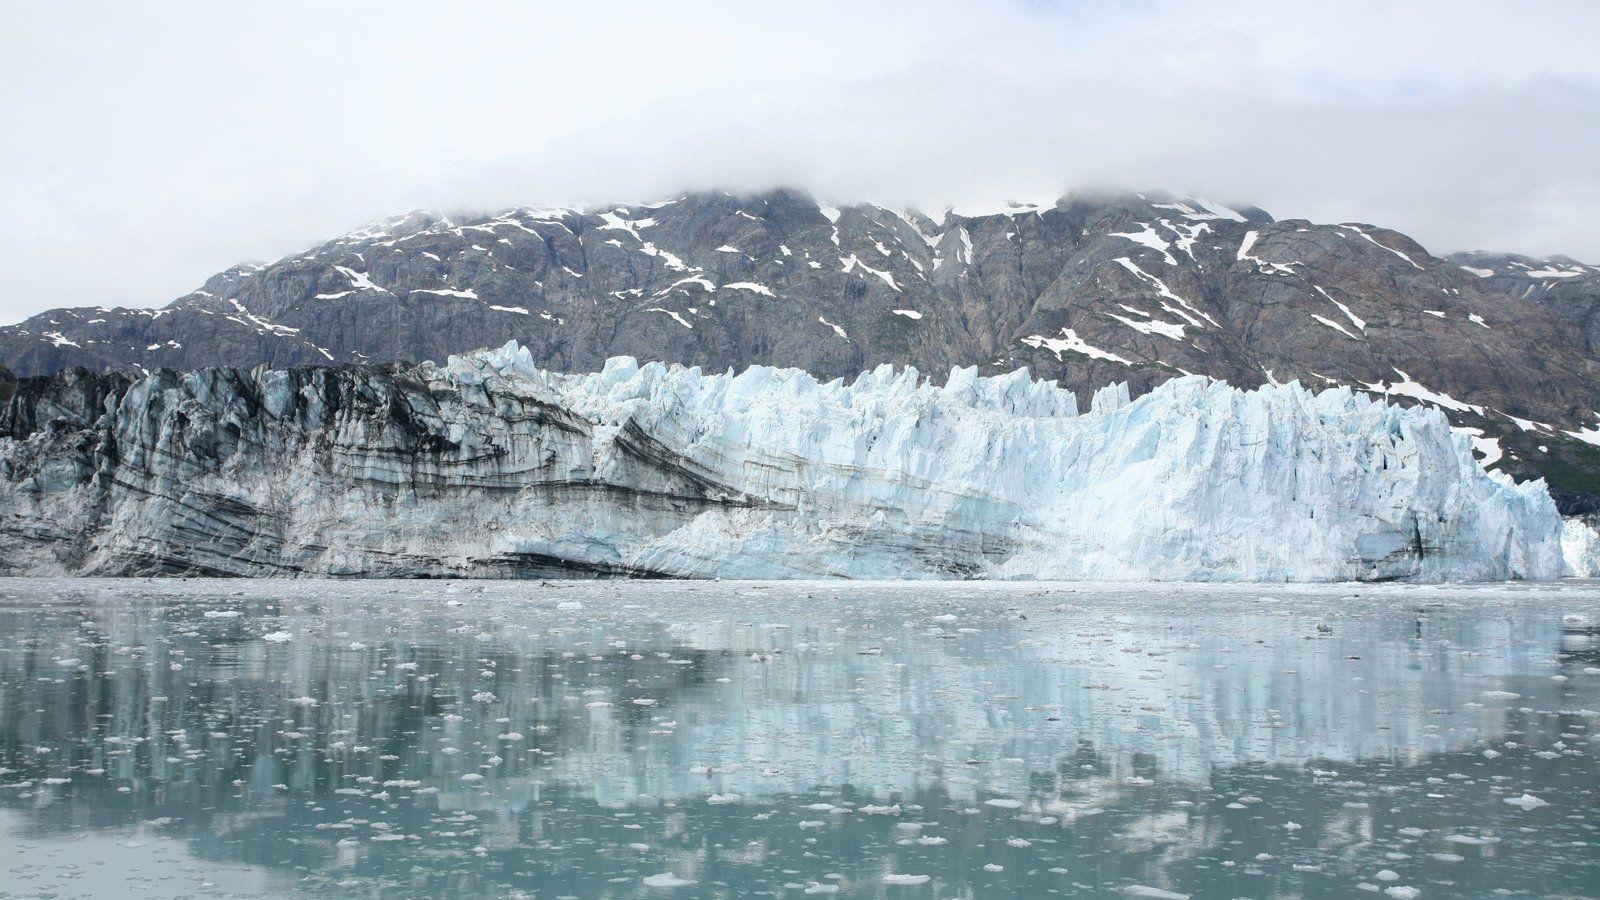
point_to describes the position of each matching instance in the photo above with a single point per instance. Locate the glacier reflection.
(1023, 739)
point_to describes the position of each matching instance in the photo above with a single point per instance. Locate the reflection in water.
(731, 740)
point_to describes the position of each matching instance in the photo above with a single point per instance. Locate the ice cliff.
(488, 466)
(1580, 544)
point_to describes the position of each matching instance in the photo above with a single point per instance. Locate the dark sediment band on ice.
(490, 467)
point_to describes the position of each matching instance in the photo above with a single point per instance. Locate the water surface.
(664, 739)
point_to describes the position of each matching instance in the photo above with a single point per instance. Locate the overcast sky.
(151, 144)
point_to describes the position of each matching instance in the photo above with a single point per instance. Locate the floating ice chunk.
(1145, 890)
(1526, 802)
(893, 878)
(665, 880)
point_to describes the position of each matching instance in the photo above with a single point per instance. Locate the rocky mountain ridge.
(1093, 290)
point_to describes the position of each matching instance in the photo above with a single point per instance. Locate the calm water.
(209, 738)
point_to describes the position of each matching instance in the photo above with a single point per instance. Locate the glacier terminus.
(488, 466)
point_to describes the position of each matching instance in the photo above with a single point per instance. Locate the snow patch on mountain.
(1148, 237)
(1069, 342)
(1406, 387)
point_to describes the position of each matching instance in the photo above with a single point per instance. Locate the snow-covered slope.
(490, 466)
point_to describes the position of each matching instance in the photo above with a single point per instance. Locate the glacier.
(1580, 545)
(487, 466)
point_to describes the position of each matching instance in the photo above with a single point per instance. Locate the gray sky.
(149, 145)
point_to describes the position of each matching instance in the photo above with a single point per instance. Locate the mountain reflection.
(582, 739)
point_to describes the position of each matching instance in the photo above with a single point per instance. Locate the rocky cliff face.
(1090, 291)
(1566, 288)
(489, 466)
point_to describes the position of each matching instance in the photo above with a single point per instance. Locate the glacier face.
(1580, 544)
(490, 466)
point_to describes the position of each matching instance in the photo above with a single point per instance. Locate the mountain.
(491, 466)
(1093, 290)
(1567, 288)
